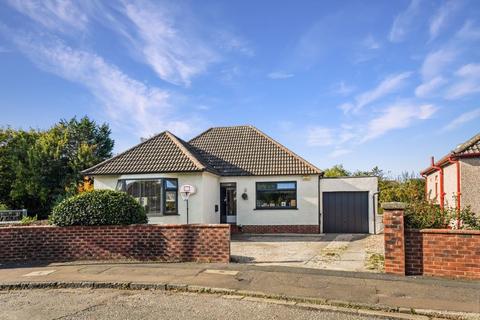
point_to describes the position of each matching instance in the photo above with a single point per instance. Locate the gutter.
(442, 194)
(459, 194)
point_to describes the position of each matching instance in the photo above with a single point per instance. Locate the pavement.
(347, 252)
(335, 288)
(127, 304)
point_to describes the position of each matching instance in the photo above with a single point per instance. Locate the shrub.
(425, 215)
(102, 207)
(28, 220)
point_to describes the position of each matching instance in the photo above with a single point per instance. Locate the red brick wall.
(451, 253)
(166, 243)
(277, 229)
(431, 252)
(394, 242)
(413, 253)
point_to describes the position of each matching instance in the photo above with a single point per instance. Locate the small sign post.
(185, 191)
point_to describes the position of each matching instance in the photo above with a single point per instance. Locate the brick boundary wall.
(429, 252)
(147, 242)
(308, 229)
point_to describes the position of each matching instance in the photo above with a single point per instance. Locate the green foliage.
(3, 206)
(28, 220)
(102, 207)
(40, 168)
(425, 215)
(336, 171)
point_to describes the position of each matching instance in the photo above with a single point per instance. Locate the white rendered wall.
(307, 201)
(369, 184)
(199, 203)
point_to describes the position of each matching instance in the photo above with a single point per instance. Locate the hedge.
(98, 207)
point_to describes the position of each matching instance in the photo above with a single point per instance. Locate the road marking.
(39, 273)
(222, 272)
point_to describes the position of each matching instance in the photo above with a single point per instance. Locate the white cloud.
(436, 61)
(440, 18)
(397, 116)
(462, 119)
(279, 75)
(129, 103)
(468, 83)
(428, 87)
(59, 15)
(338, 152)
(370, 43)
(234, 43)
(343, 89)
(388, 85)
(320, 136)
(174, 51)
(469, 31)
(401, 24)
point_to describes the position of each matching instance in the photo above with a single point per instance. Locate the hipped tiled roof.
(161, 153)
(226, 151)
(245, 150)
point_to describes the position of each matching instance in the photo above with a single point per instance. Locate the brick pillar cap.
(394, 205)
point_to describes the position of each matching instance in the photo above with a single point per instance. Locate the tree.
(336, 171)
(40, 168)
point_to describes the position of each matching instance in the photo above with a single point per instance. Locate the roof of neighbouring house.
(469, 148)
(225, 151)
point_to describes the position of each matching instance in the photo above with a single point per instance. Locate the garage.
(349, 205)
(345, 212)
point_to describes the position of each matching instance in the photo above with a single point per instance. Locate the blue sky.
(361, 83)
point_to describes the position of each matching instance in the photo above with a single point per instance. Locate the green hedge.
(425, 215)
(95, 208)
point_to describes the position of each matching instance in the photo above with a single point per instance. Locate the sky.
(358, 83)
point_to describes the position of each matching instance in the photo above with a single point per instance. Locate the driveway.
(347, 252)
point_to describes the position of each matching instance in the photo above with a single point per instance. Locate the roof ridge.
(220, 127)
(185, 150)
(467, 144)
(286, 149)
(122, 153)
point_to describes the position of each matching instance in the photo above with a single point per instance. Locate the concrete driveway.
(347, 252)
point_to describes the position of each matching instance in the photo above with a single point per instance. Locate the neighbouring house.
(454, 180)
(242, 177)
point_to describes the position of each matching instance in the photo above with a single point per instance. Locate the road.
(123, 304)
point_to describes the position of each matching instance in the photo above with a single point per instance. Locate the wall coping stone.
(166, 226)
(394, 205)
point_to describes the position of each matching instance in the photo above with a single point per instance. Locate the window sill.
(276, 208)
(162, 215)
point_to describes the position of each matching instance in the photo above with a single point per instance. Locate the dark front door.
(228, 203)
(345, 212)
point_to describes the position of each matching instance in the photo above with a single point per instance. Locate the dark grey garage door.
(345, 212)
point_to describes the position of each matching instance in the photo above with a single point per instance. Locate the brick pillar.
(394, 237)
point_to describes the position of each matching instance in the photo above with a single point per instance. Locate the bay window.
(276, 195)
(158, 196)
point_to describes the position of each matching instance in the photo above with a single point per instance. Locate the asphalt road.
(120, 304)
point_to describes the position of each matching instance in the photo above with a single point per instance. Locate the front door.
(228, 203)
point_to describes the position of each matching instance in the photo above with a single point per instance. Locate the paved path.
(346, 252)
(358, 288)
(122, 304)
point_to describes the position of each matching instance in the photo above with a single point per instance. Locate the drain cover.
(224, 272)
(39, 273)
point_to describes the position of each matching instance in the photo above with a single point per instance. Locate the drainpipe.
(459, 194)
(375, 212)
(442, 194)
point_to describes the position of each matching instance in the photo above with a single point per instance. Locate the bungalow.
(454, 180)
(277, 190)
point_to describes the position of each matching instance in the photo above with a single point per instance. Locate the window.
(276, 195)
(157, 196)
